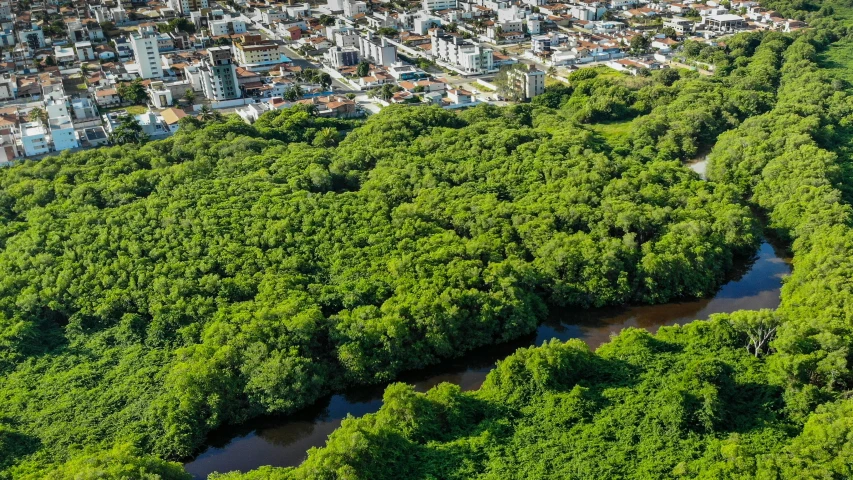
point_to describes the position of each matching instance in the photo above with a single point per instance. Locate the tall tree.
(128, 131)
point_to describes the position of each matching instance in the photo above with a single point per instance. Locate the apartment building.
(5, 10)
(218, 75)
(227, 26)
(464, 54)
(32, 36)
(34, 139)
(273, 15)
(85, 52)
(377, 50)
(339, 57)
(147, 52)
(185, 7)
(430, 5)
(527, 81)
(8, 146)
(62, 134)
(255, 54)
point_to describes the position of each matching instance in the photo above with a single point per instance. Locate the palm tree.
(293, 93)
(326, 137)
(38, 115)
(205, 114)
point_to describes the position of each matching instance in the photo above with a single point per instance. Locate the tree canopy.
(152, 292)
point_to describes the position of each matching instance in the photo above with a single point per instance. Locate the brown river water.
(284, 440)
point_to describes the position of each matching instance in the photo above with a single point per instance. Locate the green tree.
(639, 44)
(293, 93)
(133, 92)
(363, 69)
(128, 131)
(38, 115)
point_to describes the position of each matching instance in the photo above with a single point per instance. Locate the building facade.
(463, 54)
(339, 57)
(219, 75)
(147, 52)
(430, 5)
(527, 81)
(256, 54)
(377, 50)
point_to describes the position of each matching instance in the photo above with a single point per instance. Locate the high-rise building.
(147, 53)
(219, 75)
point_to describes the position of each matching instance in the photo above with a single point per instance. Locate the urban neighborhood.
(91, 72)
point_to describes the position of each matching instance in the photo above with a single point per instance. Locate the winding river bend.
(284, 441)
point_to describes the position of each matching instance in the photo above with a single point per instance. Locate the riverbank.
(284, 441)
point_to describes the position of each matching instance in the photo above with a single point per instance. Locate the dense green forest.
(753, 394)
(152, 293)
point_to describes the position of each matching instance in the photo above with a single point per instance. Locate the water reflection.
(284, 441)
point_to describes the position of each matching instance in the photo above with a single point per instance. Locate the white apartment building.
(339, 57)
(377, 50)
(302, 10)
(83, 108)
(345, 37)
(85, 52)
(227, 26)
(33, 37)
(256, 54)
(527, 80)
(430, 5)
(56, 106)
(272, 15)
(5, 10)
(187, 6)
(146, 52)
(118, 14)
(352, 8)
(464, 54)
(534, 24)
(63, 135)
(34, 139)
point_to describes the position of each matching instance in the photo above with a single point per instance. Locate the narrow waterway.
(284, 441)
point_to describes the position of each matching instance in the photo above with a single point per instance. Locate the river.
(284, 441)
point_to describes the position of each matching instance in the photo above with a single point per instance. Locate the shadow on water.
(284, 441)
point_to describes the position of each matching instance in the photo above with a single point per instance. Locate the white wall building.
(345, 37)
(352, 8)
(187, 6)
(83, 108)
(227, 26)
(272, 15)
(33, 37)
(463, 54)
(85, 52)
(430, 5)
(147, 53)
(34, 139)
(63, 135)
(377, 50)
(528, 82)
